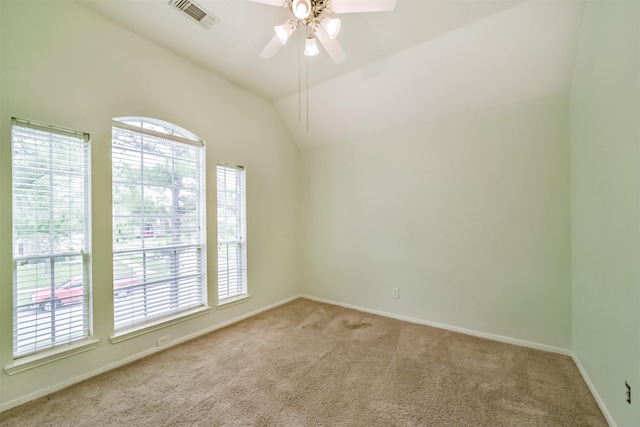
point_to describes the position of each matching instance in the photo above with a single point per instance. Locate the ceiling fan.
(315, 17)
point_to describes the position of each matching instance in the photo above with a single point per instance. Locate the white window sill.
(228, 302)
(33, 361)
(136, 331)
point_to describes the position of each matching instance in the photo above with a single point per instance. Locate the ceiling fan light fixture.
(301, 8)
(311, 47)
(332, 26)
(284, 31)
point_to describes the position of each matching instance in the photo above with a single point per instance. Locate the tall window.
(158, 221)
(50, 182)
(232, 253)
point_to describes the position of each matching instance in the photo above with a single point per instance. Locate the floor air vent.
(195, 12)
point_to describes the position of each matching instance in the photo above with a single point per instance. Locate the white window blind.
(232, 262)
(158, 221)
(51, 226)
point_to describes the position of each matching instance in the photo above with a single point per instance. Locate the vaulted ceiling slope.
(424, 60)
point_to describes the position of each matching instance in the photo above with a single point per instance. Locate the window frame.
(224, 296)
(78, 327)
(159, 130)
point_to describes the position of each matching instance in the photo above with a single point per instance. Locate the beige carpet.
(312, 364)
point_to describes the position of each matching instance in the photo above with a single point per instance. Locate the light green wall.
(65, 65)
(605, 141)
(469, 218)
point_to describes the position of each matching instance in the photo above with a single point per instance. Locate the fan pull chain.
(301, 40)
(299, 78)
(307, 92)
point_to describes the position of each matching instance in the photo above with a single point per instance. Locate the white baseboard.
(594, 392)
(508, 340)
(64, 384)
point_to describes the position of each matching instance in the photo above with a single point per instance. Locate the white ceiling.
(425, 59)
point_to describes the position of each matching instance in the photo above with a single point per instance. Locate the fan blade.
(271, 48)
(332, 46)
(278, 3)
(353, 6)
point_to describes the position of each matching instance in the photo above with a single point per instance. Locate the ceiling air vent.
(194, 11)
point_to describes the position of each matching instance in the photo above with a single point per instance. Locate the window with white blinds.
(51, 227)
(158, 221)
(232, 252)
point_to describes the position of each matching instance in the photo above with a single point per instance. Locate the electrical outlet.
(628, 392)
(164, 340)
(396, 293)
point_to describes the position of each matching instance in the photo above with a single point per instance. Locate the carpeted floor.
(312, 364)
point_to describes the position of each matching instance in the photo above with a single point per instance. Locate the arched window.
(158, 222)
